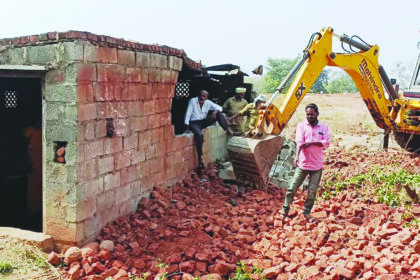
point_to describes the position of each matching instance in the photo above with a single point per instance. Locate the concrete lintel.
(41, 240)
(24, 67)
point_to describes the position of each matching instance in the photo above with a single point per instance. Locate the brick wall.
(87, 86)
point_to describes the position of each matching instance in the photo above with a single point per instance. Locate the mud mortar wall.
(110, 107)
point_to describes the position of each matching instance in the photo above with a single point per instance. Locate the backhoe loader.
(253, 155)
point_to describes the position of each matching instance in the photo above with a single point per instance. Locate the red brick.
(154, 76)
(168, 132)
(222, 268)
(111, 73)
(121, 275)
(187, 276)
(272, 271)
(291, 267)
(54, 259)
(126, 57)
(74, 272)
(148, 108)
(104, 255)
(161, 105)
(203, 257)
(101, 54)
(134, 75)
(387, 277)
(84, 93)
(132, 92)
(368, 275)
(166, 76)
(379, 269)
(160, 178)
(104, 92)
(86, 73)
(98, 268)
(188, 266)
(95, 277)
(165, 119)
(120, 94)
(145, 92)
(201, 266)
(153, 121)
(150, 153)
(122, 127)
(212, 276)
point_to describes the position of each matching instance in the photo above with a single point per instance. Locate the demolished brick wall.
(109, 101)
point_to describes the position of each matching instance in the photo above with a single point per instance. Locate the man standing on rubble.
(312, 137)
(232, 106)
(200, 114)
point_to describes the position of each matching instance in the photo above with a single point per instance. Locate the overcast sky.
(243, 32)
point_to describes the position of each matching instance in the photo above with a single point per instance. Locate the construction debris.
(192, 230)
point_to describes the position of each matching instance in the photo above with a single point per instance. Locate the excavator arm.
(252, 156)
(363, 67)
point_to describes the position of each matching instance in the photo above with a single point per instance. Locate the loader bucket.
(252, 159)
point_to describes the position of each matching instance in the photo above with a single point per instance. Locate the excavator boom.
(390, 111)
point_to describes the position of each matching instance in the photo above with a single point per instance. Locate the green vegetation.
(242, 273)
(5, 267)
(388, 187)
(143, 276)
(160, 263)
(341, 82)
(35, 259)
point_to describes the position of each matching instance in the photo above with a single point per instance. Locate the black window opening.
(190, 82)
(21, 152)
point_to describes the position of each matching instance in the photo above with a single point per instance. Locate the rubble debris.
(192, 230)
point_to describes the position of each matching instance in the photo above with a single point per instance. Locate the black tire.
(407, 141)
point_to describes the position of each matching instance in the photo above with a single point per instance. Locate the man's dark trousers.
(197, 126)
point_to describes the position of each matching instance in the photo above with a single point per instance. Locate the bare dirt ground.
(201, 228)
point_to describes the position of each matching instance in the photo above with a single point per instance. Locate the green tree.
(341, 82)
(319, 85)
(277, 69)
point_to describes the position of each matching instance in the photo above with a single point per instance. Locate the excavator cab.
(410, 141)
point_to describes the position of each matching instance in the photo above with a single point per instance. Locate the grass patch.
(381, 186)
(5, 267)
(23, 261)
(243, 273)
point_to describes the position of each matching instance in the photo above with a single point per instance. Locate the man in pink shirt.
(312, 137)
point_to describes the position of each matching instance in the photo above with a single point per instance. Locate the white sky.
(241, 32)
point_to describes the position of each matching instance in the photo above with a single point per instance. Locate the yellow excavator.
(253, 155)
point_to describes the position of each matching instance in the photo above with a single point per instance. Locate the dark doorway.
(21, 153)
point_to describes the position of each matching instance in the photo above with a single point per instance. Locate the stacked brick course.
(93, 82)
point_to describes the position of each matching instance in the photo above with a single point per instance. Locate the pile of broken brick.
(201, 228)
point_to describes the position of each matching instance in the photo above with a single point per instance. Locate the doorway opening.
(21, 152)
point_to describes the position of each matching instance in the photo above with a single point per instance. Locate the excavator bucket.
(252, 159)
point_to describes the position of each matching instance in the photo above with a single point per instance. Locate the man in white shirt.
(200, 114)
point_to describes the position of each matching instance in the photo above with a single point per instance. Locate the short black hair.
(313, 106)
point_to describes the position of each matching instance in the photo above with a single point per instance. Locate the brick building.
(107, 102)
